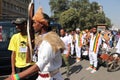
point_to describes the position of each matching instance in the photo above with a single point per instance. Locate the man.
(49, 50)
(19, 46)
(66, 52)
(118, 46)
(95, 42)
(78, 44)
(117, 36)
(72, 42)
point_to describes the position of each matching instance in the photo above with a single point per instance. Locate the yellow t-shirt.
(18, 43)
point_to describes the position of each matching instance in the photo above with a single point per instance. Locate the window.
(11, 6)
(4, 4)
(6, 31)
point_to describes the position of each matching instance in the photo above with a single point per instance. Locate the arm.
(12, 47)
(28, 57)
(44, 56)
(31, 70)
(13, 62)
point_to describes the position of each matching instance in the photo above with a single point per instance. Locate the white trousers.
(78, 51)
(93, 58)
(72, 49)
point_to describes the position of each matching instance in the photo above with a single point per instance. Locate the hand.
(9, 78)
(12, 73)
(67, 55)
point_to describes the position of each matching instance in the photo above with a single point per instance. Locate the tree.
(58, 6)
(69, 18)
(78, 13)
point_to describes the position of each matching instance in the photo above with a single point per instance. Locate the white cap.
(77, 29)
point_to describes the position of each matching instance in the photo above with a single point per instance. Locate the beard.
(94, 32)
(18, 30)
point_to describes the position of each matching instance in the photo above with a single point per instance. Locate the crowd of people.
(90, 42)
(49, 47)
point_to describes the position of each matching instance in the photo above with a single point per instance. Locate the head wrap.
(40, 17)
(77, 29)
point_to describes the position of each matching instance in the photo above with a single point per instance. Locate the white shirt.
(71, 39)
(47, 59)
(92, 40)
(118, 46)
(66, 41)
(77, 39)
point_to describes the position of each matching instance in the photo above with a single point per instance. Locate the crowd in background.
(89, 43)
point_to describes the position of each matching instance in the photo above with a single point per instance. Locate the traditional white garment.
(92, 40)
(71, 44)
(92, 54)
(118, 46)
(93, 58)
(77, 47)
(48, 61)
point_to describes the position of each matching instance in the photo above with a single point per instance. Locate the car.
(7, 29)
(55, 26)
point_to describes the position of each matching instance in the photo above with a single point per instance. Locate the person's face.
(86, 30)
(94, 30)
(72, 32)
(22, 28)
(37, 26)
(62, 32)
(18, 27)
(77, 31)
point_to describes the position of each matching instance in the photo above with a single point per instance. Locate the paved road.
(78, 72)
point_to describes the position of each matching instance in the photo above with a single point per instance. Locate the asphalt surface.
(78, 72)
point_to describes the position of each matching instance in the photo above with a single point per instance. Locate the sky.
(110, 7)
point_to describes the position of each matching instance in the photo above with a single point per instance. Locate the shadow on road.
(75, 69)
(66, 79)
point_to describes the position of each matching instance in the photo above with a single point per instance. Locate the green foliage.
(69, 18)
(78, 13)
(58, 6)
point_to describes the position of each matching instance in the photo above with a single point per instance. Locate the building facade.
(10, 9)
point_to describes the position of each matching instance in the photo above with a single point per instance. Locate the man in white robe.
(49, 49)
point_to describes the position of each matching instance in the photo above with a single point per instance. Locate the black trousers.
(30, 77)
